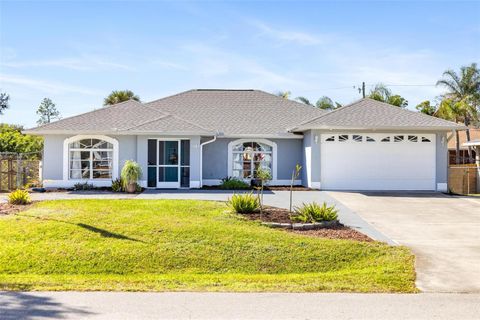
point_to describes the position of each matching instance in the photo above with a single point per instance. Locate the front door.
(168, 163)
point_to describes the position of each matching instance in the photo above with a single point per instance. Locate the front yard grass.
(183, 245)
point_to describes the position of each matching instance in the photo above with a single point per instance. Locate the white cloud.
(43, 85)
(82, 63)
(302, 38)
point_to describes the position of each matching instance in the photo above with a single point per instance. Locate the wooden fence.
(19, 170)
(462, 179)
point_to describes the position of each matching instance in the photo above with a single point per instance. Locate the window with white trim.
(90, 158)
(248, 157)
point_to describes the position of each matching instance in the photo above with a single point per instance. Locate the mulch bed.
(270, 188)
(7, 208)
(273, 214)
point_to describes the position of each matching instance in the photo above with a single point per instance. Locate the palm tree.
(383, 94)
(304, 100)
(118, 96)
(325, 103)
(464, 89)
(451, 110)
(284, 94)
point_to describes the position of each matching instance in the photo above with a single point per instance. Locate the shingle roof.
(237, 112)
(372, 114)
(126, 117)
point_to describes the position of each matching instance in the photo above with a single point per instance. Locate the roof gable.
(372, 114)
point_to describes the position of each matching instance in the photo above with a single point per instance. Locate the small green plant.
(231, 183)
(83, 186)
(117, 185)
(19, 196)
(313, 212)
(244, 203)
(131, 173)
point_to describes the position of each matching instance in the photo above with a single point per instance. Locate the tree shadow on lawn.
(21, 305)
(102, 232)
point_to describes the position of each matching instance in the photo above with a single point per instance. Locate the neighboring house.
(198, 137)
(452, 151)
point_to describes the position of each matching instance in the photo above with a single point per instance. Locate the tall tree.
(284, 94)
(381, 93)
(463, 88)
(325, 103)
(47, 111)
(4, 98)
(427, 108)
(13, 140)
(118, 96)
(449, 109)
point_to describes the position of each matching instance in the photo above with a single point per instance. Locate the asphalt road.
(125, 305)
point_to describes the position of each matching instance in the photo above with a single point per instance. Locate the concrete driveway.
(443, 232)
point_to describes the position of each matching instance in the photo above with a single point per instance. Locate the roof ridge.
(326, 114)
(303, 105)
(173, 95)
(176, 116)
(88, 112)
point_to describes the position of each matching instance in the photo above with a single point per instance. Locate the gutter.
(201, 156)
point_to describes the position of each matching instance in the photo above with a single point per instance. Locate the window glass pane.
(237, 165)
(102, 165)
(398, 138)
(264, 147)
(332, 138)
(168, 152)
(247, 145)
(168, 174)
(247, 169)
(425, 139)
(79, 155)
(237, 156)
(237, 173)
(370, 139)
(412, 138)
(185, 177)
(357, 138)
(85, 143)
(343, 137)
(238, 147)
(386, 139)
(102, 174)
(80, 174)
(152, 152)
(77, 164)
(152, 177)
(102, 155)
(185, 152)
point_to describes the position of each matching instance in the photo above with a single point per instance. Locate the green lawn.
(181, 245)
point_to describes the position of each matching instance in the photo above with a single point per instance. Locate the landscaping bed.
(334, 230)
(7, 208)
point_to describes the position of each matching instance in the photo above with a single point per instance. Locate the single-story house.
(452, 146)
(198, 137)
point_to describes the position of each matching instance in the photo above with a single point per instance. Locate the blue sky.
(77, 52)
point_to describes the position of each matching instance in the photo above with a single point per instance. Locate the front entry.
(168, 163)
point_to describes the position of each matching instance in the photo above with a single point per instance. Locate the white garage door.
(377, 161)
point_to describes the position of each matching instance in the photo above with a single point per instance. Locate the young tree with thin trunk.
(47, 112)
(4, 99)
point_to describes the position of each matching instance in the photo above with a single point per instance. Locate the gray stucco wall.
(215, 157)
(442, 158)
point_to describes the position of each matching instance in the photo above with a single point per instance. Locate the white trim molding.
(281, 182)
(264, 141)
(115, 164)
(314, 185)
(442, 187)
(194, 184)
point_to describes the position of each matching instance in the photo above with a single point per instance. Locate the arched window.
(247, 156)
(91, 158)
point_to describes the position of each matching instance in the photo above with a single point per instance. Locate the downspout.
(201, 157)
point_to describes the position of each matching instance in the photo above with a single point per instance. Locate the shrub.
(313, 212)
(19, 197)
(230, 183)
(131, 173)
(244, 203)
(117, 185)
(83, 186)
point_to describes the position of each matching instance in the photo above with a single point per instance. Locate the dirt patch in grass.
(7, 208)
(280, 215)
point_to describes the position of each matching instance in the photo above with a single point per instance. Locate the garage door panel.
(378, 165)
